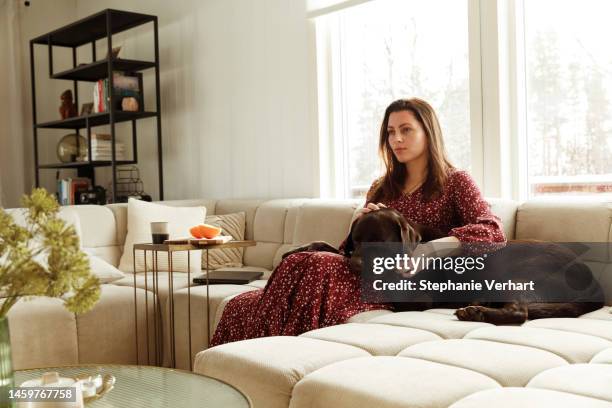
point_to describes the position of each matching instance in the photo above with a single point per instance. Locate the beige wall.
(238, 86)
(15, 98)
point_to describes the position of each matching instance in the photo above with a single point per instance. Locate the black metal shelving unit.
(88, 30)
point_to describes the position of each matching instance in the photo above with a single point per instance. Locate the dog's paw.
(470, 313)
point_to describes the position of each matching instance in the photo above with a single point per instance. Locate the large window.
(523, 90)
(569, 96)
(384, 50)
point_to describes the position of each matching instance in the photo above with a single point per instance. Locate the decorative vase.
(6, 364)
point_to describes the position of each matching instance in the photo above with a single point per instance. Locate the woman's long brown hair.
(391, 185)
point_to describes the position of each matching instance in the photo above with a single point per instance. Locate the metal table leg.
(207, 303)
(189, 306)
(135, 305)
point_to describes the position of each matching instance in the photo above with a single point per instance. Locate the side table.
(169, 249)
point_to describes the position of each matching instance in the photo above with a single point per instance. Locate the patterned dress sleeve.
(478, 224)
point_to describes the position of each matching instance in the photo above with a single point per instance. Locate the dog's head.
(384, 225)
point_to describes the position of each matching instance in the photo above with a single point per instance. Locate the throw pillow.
(140, 216)
(231, 224)
(104, 271)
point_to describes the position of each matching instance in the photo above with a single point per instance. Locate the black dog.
(549, 265)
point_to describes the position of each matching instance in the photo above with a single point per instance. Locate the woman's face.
(406, 136)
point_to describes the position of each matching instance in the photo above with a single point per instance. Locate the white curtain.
(316, 8)
(12, 103)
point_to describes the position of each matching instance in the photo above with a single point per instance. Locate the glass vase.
(6, 364)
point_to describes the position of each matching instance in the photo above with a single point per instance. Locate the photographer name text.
(426, 285)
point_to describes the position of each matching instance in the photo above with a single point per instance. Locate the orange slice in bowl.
(209, 231)
(205, 231)
(195, 232)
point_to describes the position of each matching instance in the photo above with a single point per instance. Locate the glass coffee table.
(148, 386)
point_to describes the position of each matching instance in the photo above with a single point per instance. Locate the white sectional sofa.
(379, 358)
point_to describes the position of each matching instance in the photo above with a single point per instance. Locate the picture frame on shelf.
(87, 109)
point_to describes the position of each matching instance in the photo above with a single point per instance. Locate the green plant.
(43, 258)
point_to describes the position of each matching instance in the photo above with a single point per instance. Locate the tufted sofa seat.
(378, 358)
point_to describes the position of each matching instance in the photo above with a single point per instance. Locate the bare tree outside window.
(391, 49)
(569, 92)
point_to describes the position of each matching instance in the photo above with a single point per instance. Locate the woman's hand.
(370, 207)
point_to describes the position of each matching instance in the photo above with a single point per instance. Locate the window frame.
(333, 153)
(498, 102)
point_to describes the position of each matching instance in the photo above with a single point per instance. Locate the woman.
(309, 290)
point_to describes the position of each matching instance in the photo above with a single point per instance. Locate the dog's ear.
(409, 234)
(349, 245)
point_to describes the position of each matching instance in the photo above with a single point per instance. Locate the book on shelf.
(100, 157)
(68, 187)
(106, 146)
(100, 136)
(124, 85)
(101, 147)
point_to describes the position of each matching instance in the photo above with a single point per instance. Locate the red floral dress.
(310, 290)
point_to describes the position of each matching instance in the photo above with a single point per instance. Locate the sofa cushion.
(209, 204)
(445, 326)
(98, 226)
(565, 221)
(593, 327)
(66, 213)
(259, 283)
(288, 233)
(119, 211)
(573, 347)
(103, 270)
(508, 364)
(43, 333)
(197, 308)
(234, 205)
(589, 380)
(368, 315)
(232, 225)
(376, 339)
(180, 219)
(261, 254)
(110, 254)
(290, 209)
(448, 312)
(280, 251)
(324, 220)
(269, 226)
(387, 382)
(107, 333)
(266, 369)
(179, 281)
(603, 357)
(605, 313)
(527, 398)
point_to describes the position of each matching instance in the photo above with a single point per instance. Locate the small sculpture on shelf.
(129, 104)
(67, 109)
